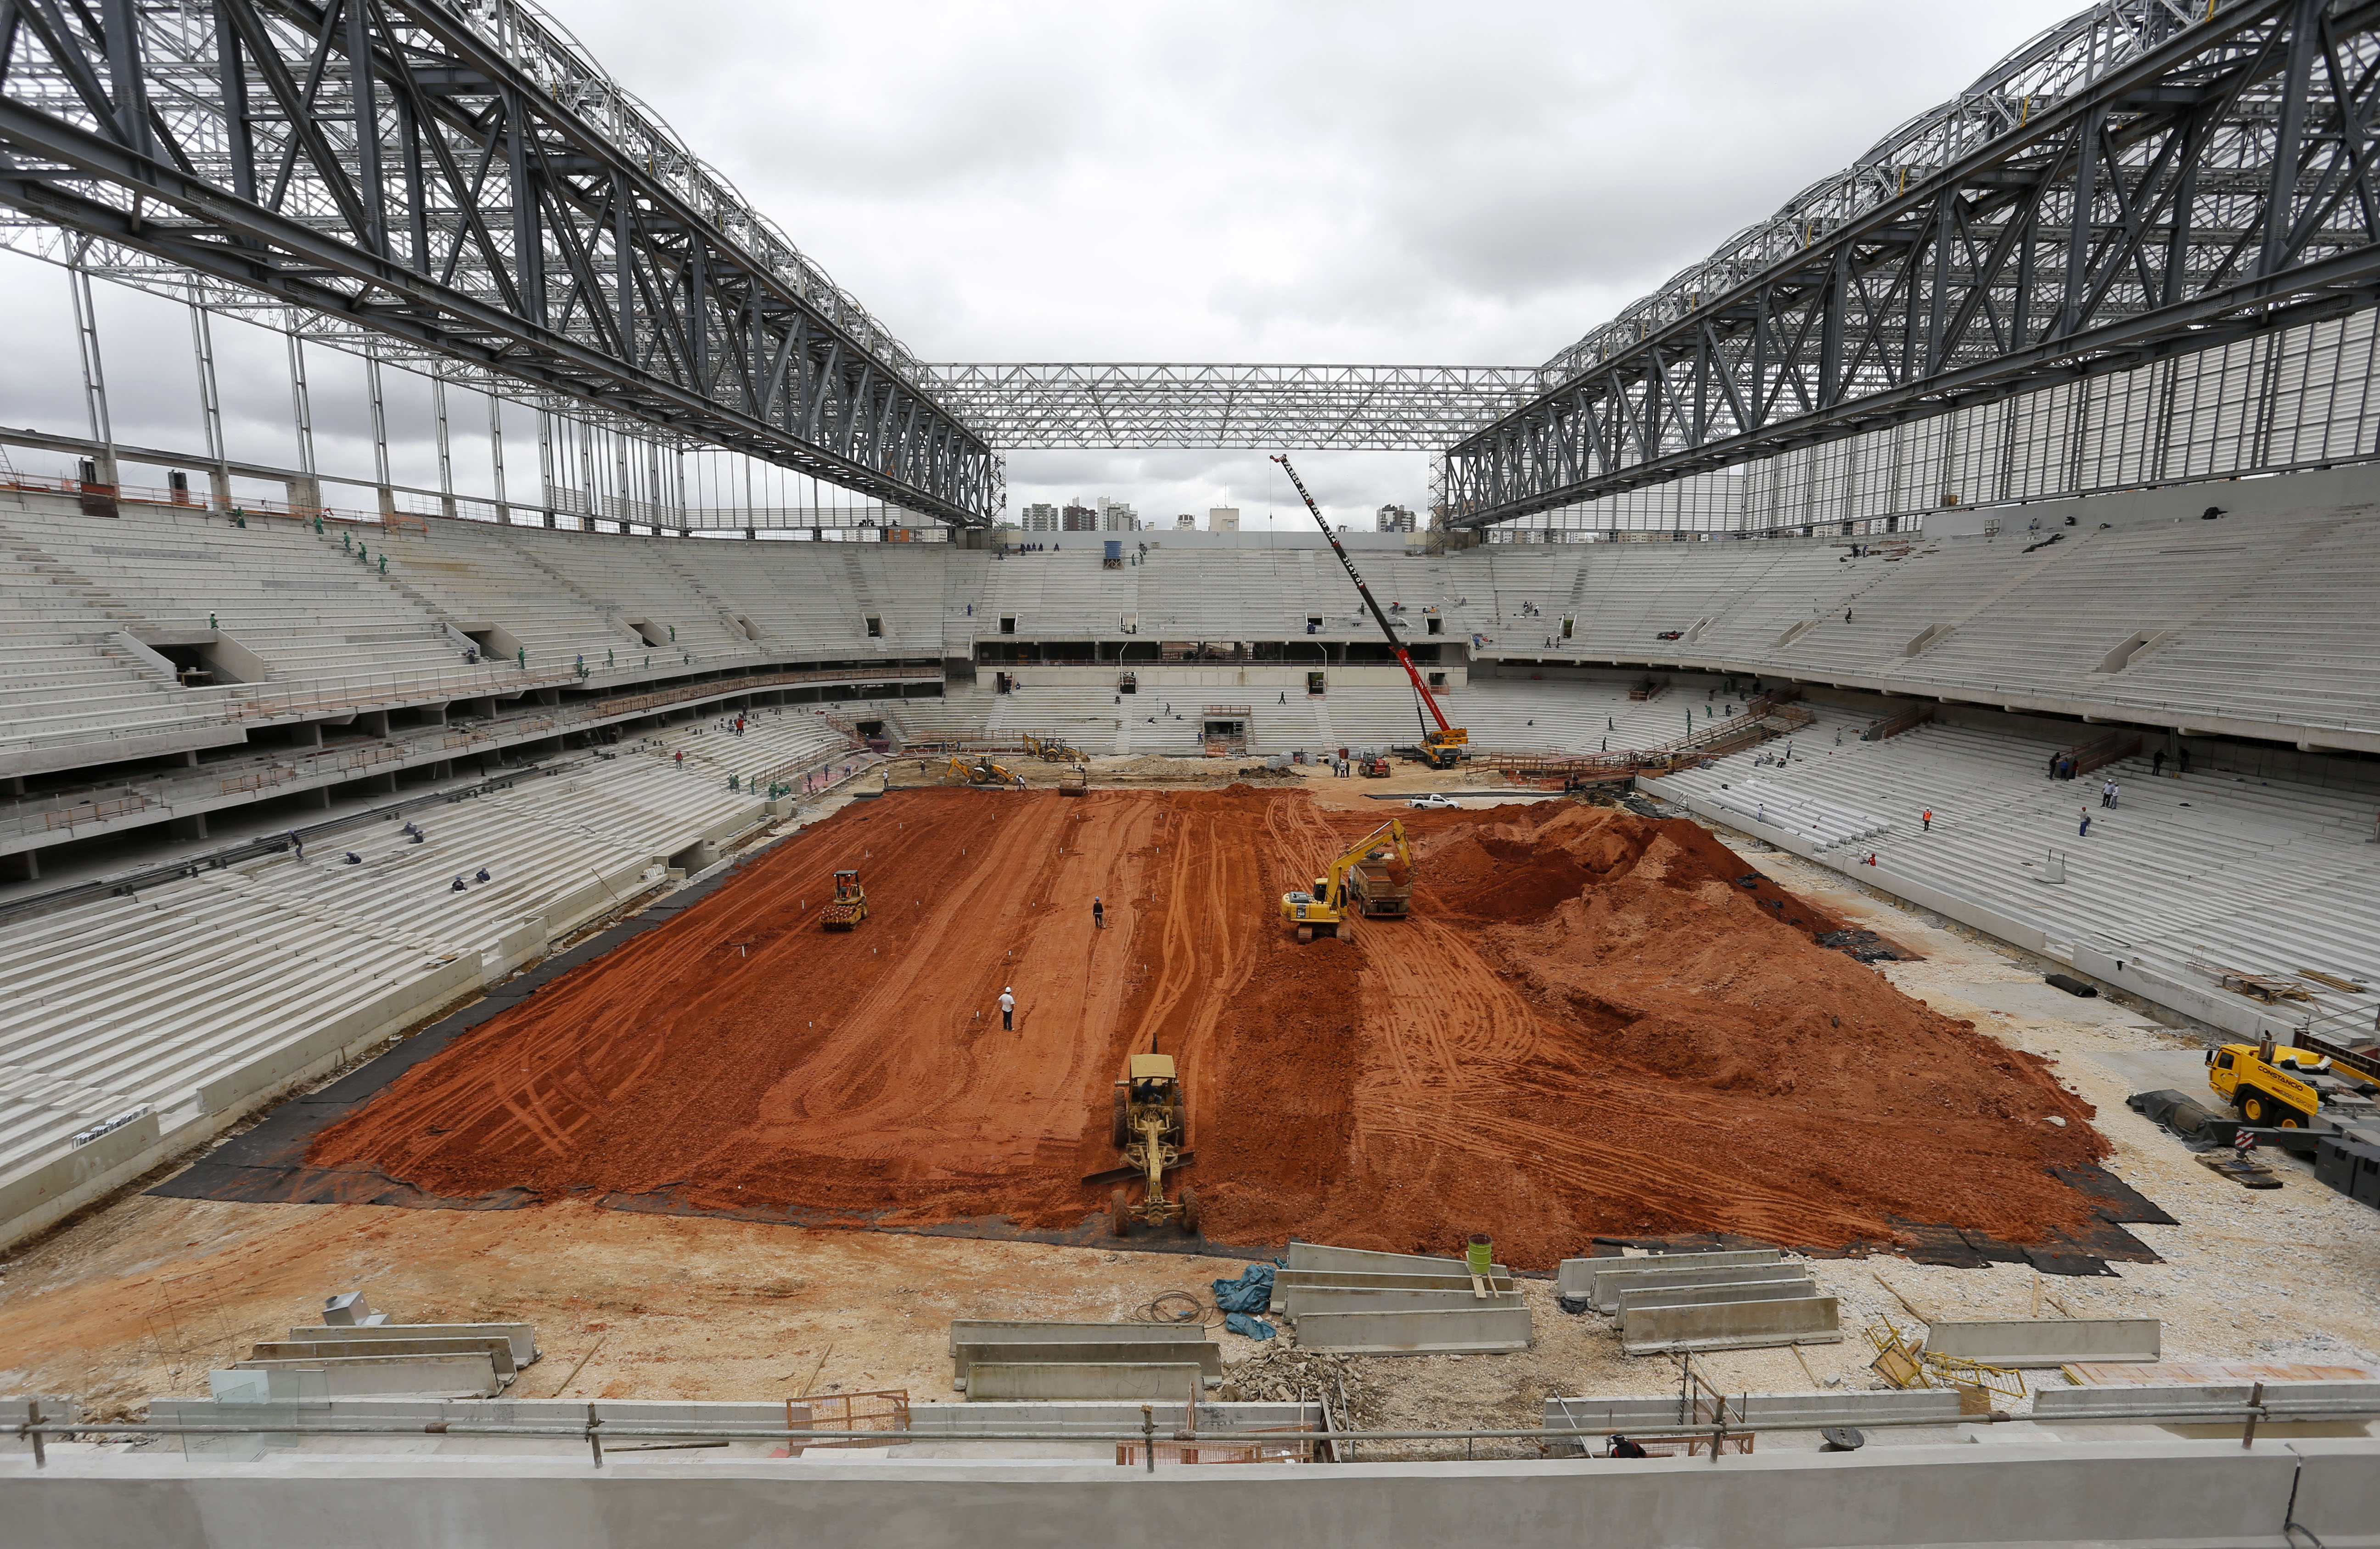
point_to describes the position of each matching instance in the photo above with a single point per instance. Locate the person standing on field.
(1099, 915)
(1007, 1008)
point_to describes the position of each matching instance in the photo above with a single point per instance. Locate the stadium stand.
(166, 665)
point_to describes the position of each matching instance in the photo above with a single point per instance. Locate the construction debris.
(1279, 1375)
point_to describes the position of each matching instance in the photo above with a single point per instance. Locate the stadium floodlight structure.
(2150, 178)
(1373, 409)
(457, 179)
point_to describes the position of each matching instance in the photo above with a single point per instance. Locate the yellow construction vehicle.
(1372, 876)
(1075, 782)
(849, 905)
(2264, 1095)
(1150, 1124)
(983, 771)
(1053, 750)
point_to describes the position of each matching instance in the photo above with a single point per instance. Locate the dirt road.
(1588, 1027)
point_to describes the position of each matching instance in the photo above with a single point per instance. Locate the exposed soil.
(1587, 1027)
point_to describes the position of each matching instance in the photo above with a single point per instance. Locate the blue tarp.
(1252, 1292)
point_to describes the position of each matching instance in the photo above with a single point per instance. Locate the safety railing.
(286, 1420)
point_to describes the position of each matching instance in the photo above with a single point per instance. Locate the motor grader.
(1150, 1124)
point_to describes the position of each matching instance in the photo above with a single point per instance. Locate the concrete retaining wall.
(1459, 1331)
(1177, 1383)
(36, 1198)
(1731, 1325)
(2030, 1342)
(2132, 1493)
(1610, 1283)
(313, 1351)
(1206, 1356)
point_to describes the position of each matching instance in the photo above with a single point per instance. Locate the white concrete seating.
(631, 578)
(2219, 865)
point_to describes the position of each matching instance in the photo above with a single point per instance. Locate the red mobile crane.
(1438, 748)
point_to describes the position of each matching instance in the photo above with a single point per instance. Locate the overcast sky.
(1382, 182)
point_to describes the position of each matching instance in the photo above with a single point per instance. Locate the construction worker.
(1007, 1008)
(1622, 1448)
(1099, 915)
(1926, 819)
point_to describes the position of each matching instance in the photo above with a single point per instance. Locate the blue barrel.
(1115, 549)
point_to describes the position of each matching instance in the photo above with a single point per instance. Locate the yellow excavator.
(1373, 876)
(983, 771)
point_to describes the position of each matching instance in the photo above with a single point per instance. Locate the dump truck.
(1150, 1124)
(1372, 876)
(848, 907)
(2265, 1096)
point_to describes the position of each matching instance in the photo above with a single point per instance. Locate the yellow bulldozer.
(1373, 876)
(1150, 1124)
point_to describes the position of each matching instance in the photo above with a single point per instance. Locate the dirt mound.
(1588, 1026)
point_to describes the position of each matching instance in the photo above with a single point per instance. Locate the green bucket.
(1479, 1254)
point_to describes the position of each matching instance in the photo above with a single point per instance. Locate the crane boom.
(1446, 735)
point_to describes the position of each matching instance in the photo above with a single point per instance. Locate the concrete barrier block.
(1575, 1278)
(1303, 1301)
(989, 1331)
(1206, 1356)
(1283, 1281)
(1731, 1325)
(1176, 1383)
(1315, 1255)
(1610, 1283)
(1726, 1290)
(2152, 1399)
(1775, 1411)
(1459, 1331)
(2027, 1342)
(522, 1338)
(461, 1376)
(499, 1351)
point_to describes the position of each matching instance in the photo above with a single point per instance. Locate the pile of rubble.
(1277, 1375)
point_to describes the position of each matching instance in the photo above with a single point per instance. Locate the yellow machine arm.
(1330, 887)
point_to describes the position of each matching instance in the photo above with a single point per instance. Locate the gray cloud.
(1388, 181)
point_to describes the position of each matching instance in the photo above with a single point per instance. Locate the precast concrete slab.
(1727, 1290)
(1610, 1283)
(1776, 1412)
(520, 1335)
(2030, 1342)
(1283, 1281)
(1575, 1278)
(1731, 1325)
(1204, 1354)
(499, 1351)
(1315, 1255)
(1174, 1383)
(1306, 1301)
(981, 1331)
(1459, 1331)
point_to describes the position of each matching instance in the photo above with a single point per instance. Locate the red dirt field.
(1586, 1028)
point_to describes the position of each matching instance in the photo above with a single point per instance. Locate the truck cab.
(2265, 1096)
